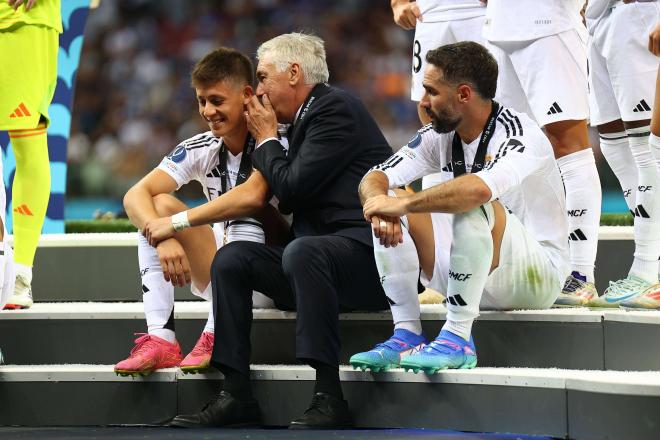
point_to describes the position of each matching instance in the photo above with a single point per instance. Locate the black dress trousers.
(330, 273)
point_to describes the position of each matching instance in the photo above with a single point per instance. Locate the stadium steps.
(558, 403)
(102, 333)
(553, 392)
(106, 266)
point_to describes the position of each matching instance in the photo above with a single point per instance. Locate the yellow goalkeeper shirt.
(44, 13)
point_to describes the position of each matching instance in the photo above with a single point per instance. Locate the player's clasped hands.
(174, 262)
(158, 229)
(384, 213)
(261, 119)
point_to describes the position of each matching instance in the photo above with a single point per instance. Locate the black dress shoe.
(222, 411)
(325, 412)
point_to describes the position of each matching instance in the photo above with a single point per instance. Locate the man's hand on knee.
(388, 230)
(158, 229)
(174, 262)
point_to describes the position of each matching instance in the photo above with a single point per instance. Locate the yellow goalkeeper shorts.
(29, 75)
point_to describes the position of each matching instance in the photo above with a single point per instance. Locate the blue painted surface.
(74, 16)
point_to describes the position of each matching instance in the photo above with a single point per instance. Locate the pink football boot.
(149, 354)
(200, 357)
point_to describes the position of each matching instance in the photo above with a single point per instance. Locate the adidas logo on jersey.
(642, 107)
(577, 235)
(554, 109)
(20, 112)
(23, 209)
(215, 172)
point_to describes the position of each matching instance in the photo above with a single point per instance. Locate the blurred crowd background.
(133, 101)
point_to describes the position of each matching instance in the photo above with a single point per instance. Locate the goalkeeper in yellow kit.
(29, 34)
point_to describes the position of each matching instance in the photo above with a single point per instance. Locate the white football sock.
(647, 210)
(24, 271)
(157, 294)
(398, 268)
(210, 322)
(616, 150)
(469, 264)
(654, 144)
(583, 200)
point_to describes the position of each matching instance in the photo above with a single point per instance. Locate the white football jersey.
(596, 9)
(523, 20)
(198, 158)
(520, 170)
(446, 10)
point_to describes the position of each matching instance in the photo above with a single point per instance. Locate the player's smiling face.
(222, 106)
(440, 100)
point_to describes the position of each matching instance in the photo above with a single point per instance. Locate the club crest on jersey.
(415, 141)
(178, 154)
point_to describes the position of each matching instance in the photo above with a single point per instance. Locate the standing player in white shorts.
(506, 245)
(540, 49)
(621, 95)
(436, 23)
(218, 159)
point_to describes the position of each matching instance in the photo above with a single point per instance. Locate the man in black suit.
(328, 265)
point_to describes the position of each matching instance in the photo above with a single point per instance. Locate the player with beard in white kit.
(540, 48)
(219, 159)
(506, 245)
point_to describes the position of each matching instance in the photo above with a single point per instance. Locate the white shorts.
(544, 78)
(622, 71)
(259, 300)
(430, 36)
(524, 279)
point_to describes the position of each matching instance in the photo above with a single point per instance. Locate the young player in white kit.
(219, 160)
(505, 247)
(540, 49)
(621, 95)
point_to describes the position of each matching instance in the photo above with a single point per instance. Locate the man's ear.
(464, 93)
(248, 92)
(295, 74)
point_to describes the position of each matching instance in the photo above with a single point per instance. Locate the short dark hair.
(467, 62)
(220, 65)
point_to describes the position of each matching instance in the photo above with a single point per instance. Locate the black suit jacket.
(334, 142)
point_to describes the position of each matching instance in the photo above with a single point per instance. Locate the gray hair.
(306, 50)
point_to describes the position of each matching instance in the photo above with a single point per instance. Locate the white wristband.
(180, 221)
